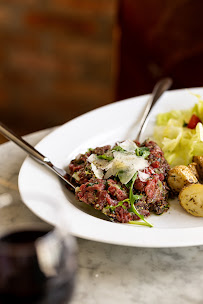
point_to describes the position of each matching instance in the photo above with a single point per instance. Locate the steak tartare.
(126, 182)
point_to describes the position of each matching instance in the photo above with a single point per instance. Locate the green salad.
(180, 134)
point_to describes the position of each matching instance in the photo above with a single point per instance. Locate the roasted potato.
(179, 177)
(199, 161)
(193, 169)
(191, 199)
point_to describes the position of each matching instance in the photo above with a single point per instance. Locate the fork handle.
(160, 87)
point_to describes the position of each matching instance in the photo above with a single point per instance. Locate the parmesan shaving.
(124, 164)
(143, 176)
(97, 171)
(128, 145)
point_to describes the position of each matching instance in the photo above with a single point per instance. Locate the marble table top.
(112, 274)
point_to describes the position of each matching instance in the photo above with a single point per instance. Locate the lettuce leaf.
(178, 142)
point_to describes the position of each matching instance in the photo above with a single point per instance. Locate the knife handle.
(23, 144)
(40, 158)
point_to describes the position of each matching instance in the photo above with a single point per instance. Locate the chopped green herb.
(117, 148)
(119, 174)
(142, 151)
(88, 172)
(104, 156)
(185, 124)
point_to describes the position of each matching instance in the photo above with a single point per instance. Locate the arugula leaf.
(131, 195)
(119, 204)
(132, 199)
(128, 184)
(139, 223)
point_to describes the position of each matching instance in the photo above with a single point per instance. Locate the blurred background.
(62, 58)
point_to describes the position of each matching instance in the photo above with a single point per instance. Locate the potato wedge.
(191, 199)
(193, 169)
(199, 161)
(179, 177)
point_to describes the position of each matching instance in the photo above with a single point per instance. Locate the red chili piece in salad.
(193, 122)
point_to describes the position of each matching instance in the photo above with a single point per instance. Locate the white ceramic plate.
(106, 125)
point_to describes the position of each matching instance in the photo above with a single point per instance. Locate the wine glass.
(37, 264)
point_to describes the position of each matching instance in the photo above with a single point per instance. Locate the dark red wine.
(23, 279)
(23, 237)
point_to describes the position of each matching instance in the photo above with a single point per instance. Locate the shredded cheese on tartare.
(123, 164)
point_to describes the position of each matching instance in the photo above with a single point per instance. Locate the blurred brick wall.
(57, 60)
